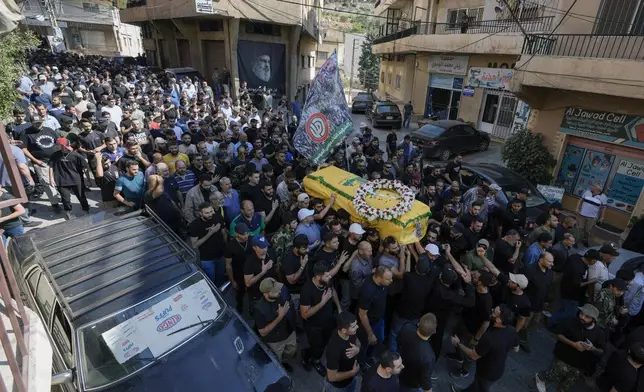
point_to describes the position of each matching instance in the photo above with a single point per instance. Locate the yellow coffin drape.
(407, 228)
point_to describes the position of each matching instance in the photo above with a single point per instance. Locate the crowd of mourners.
(219, 169)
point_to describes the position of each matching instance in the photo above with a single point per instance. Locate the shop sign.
(627, 185)
(495, 78)
(569, 168)
(453, 65)
(609, 127)
(521, 115)
(204, 6)
(551, 193)
(446, 82)
(468, 91)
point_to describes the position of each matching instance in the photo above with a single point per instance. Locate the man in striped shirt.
(184, 177)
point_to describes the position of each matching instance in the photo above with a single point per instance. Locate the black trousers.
(318, 337)
(66, 193)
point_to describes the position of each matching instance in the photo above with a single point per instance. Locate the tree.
(368, 65)
(13, 49)
(526, 153)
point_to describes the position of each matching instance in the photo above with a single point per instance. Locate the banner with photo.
(325, 120)
(262, 64)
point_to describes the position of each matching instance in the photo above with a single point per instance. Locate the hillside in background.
(347, 22)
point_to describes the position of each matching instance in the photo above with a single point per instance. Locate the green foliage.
(368, 66)
(525, 153)
(13, 48)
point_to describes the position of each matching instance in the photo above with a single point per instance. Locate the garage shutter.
(214, 55)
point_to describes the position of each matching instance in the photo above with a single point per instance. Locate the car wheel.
(483, 146)
(445, 154)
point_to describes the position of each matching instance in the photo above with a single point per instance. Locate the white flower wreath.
(372, 213)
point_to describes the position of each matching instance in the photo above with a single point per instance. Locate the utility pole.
(353, 59)
(50, 12)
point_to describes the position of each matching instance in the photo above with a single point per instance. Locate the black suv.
(385, 113)
(362, 103)
(126, 308)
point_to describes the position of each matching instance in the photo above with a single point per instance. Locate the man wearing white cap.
(308, 227)
(349, 245)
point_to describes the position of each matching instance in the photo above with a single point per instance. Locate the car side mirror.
(64, 377)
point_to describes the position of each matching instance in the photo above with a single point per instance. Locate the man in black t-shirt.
(275, 321)
(414, 347)
(371, 308)
(208, 236)
(237, 251)
(492, 350)
(342, 355)
(580, 344)
(513, 218)
(38, 144)
(106, 175)
(259, 265)
(622, 371)
(506, 252)
(539, 277)
(384, 377)
(66, 168)
(453, 169)
(294, 266)
(317, 312)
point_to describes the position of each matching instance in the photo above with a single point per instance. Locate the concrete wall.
(471, 43)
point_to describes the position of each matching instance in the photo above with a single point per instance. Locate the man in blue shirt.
(543, 242)
(130, 187)
(308, 227)
(252, 219)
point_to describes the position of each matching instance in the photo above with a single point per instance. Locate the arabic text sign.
(454, 65)
(204, 6)
(606, 126)
(627, 185)
(497, 78)
(551, 193)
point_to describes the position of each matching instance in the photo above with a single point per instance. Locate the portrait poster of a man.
(262, 64)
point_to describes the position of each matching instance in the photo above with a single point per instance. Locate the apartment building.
(332, 41)
(86, 26)
(269, 43)
(352, 51)
(584, 86)
(455, 58)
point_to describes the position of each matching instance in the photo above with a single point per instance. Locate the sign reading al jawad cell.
(609, 127)
(497, 78)
(454, 65)
(204, 6)
(325, 118)
(627, 185)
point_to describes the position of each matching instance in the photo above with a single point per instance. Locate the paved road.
(520, 366)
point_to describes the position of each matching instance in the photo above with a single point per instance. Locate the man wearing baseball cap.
(599, 271)
(274, 321)
(66, 174)
(606, 301)
(308, 227)
(258, 266)
(580, 343)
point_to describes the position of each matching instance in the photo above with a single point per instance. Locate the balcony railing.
(390, 32)
(624, 47)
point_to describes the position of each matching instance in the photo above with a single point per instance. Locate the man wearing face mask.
(317, 311)
(275, 321)
(580, 344)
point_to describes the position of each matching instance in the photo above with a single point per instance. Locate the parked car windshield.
(114, 348)
(534, 199)
(431, 130)
(387, 109)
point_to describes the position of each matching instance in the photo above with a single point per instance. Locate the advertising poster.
(594, 171)
(262, 64)
(606, 126)
(551, 193)
(627, 185)
(570, 167)
(496, 78)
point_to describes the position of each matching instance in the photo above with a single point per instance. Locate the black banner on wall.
(262, 64)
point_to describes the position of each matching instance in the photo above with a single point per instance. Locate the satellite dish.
(498, 10)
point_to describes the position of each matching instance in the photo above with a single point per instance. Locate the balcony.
(419, 36)
(404, 29)
(602, 64)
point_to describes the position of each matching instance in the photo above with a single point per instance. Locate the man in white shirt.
(226, 110)
(115, 111)
(590, 209)
(599, 270)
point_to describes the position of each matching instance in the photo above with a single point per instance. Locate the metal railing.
(624, 47)
(9, 291)
(390, 32)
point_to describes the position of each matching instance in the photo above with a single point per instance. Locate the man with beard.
(250, 190)
(39, 144)
(317, 312)
(580, 344)
(506, 252)
(371, 308)
(186, 147)
(293, 267)
(252, 219)
(513, 218)
(132, 153)
(539, 281)
(173, 156)
(429, 196)
(342, 351)
(453, 169)
(131, 185)
(328, 253)
(268, 206)
(196, 196)
(258, 266)
(396, 259)
(262, 68)
(184, 178)
(384, 377)
(599, 271)
(237, 251)
(66, 174)
(207, 235)
(275, 321)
